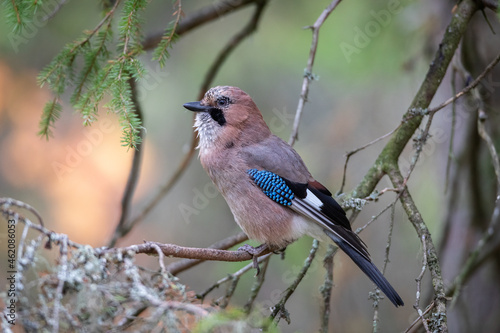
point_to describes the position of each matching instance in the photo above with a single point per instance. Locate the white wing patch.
(313, 200)
(310, 207)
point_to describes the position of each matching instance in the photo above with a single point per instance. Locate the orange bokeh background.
(77, 170)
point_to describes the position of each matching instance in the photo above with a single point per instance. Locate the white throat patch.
(206, 128)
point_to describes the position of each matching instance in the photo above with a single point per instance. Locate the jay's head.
(227, 117)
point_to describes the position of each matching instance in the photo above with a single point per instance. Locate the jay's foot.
(281, 252)
(254, 252)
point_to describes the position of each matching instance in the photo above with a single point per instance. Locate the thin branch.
(233, 276)
(247, 30)
(352, 152)
(224, 244)
(308, 73)
(376, 295)
(279, 309)
(198, 18)
(326, 288)
(108, 15)
(231, 288)
(55, 11)
(358, 230)
(16, 9)
(420, 141)
(161, 259)
(259, 281)
(471, 86)
(419, 284)
(412, 327)
(452, 132)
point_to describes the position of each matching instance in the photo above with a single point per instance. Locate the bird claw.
(254, 252)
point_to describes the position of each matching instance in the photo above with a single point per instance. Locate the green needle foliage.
(97, 66)
(169, 37)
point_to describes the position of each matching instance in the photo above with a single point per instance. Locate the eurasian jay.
(267, 186)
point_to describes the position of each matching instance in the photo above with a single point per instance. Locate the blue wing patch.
(273, 186)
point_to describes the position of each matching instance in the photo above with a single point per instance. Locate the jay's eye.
(222, 101)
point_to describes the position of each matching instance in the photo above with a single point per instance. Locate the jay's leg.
(255, 252)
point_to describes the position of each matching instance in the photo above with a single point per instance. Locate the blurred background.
(76, 179)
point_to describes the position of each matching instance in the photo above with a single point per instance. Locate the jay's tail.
(369, 269)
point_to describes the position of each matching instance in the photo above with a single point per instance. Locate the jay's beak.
(196, 107)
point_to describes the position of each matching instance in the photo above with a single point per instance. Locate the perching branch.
(182, 265)
(172, 250)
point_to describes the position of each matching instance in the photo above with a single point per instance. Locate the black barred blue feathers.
(273, 186)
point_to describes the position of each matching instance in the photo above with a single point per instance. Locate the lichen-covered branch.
(437, 322)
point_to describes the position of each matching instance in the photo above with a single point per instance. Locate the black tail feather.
(371, 271)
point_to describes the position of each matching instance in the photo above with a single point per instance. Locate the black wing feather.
(332, 218)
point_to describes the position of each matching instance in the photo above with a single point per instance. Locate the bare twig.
(412, 327)
(229, 277)
(419, 284)
(254, 291)
(358, 230)
(352, 152)
(308, 73)
(471, 86)
(376, 295)
(198, 18)
(452, 132)
(326, 288)
(420, 141)
(231, 288)
(161, 258)
(247, 30)
(279, 309)
(55, 11)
